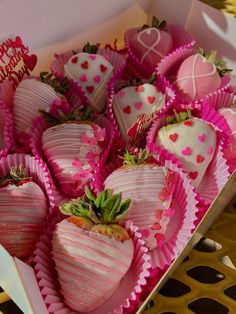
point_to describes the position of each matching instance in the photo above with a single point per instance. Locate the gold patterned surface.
(206, 281)
(227, 6)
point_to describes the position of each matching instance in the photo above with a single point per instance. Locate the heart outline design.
(152, 47)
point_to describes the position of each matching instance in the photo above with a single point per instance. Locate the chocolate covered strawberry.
(134, 101)
(91, 251)
(199, 75)
(150, 43)
(192, 140)
(73, 146)
(92, 72)
(150, 187)
(23, 208)
(32, 95)
(230, 116)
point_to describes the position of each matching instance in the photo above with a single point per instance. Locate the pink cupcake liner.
(184, 202)
(57, 67)
(170, 64)
(217, 172)
(220, 100)
(6, 129)
(38, 171)
(181, 39)
(164, 87)
(39, 126)
(125, 299)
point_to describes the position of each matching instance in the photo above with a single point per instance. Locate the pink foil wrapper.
(184, 203)
(57, 67)
(164, 87)
(170, 64)
(125, 299)
(217, 172)
(35, 169)
(181, 39)
(39, 126)
(6, 130)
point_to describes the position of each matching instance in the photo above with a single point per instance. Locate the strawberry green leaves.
(106, 208)
(16, 176)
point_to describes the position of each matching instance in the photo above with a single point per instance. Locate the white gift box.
(59, 25)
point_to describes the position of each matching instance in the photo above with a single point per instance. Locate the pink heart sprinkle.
(170, 211)
(158, 213)
(210, 150)
(187, 151)
(83, 78)
(202, 137)
(85, 138)
(93, 141)
(93, 57)
(121, 93)
(138, 105)
(97, 78)
(145, 233)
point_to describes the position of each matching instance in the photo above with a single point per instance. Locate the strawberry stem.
(161, 25)
(92, 49)
(139, 158)
(16, 176)
(211, 57)
(59, 86)
(75, 115)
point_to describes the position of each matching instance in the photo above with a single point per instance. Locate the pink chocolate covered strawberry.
(134, 101)
(150, 43)
(32, 95)
(150, 187)
(199, 75)
(91, 251)
(23, 208)
(73, 146)
(92, 72)
(230, 116)
(192, 140)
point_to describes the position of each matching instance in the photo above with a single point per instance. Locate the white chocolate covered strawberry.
(73, 147)
(23, 208)
(132, 102)
(199, 75)
(91, 251)
(32, 95)
(230, 116)
(192, 141)
(92, 72)
(150, 43)
(150, 187)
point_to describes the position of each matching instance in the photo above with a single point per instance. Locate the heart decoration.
(134, 101)
(30, 61)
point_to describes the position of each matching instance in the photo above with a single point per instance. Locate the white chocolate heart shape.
(129, 104)
(197, 77)
(91, 72)
(194, 145)
(230, 116)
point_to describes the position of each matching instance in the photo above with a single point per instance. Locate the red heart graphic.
(30, 61)
(193, 175)
(200, 159)
(139, 89)
(103, 68)
(156, 226)
(173, 137)
(90, 89)
(151, 99)
(84, 65)
(188, 122)
(74, 60)
(127, 109)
